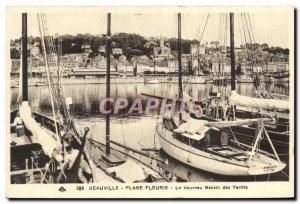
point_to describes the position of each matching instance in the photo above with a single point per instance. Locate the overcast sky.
(268, 27)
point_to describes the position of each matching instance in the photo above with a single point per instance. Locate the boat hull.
(154, 81)
(245, 80)
(279, 140)
(195, 80)
(279, 135)
(201, 162)
(212, 163)
(282, 80)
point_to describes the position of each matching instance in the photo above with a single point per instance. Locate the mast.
(198, 58)
(232, 57)
(108, 51)
(179, 63)
(154, 62)
(24, 58)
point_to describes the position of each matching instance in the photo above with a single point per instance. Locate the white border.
(3, 42)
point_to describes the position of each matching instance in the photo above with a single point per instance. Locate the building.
(197, 49)
(88, 73)
(215, 45)
(252, 46)
(162, 51)
(150, 44)
(102, 50)
(86, 46)
(117, 51)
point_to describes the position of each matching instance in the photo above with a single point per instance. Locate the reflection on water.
(136, 130)
(87, 97)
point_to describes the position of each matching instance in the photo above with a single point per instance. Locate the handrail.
(39, 169)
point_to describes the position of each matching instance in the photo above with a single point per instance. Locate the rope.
(251, 30)
(285, 174)
(154, 136)
(240, 30)
(255, 25)
(247, 28)
(204, 28)
(225, 41)
(123, 134)
(268, 177)
(245, 38)
(41, 26)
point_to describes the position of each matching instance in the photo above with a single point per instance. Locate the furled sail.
(193, 128)
(226, 124)
(251, 102)
(196, 129)
(48, 143)
(131, 172)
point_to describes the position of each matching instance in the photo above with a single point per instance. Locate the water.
(136, 130)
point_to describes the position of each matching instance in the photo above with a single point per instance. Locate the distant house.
(162, 51)
(252, 46)
(122, 58)
(117, 51)
(215, 44)
(102, 49)
(85, 46)
(197, 49)
(150, 44)
(264, 46)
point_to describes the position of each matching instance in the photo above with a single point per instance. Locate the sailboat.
(152, 81)
(232, 105)
(42, 149)
(119, 163)
(204, 145)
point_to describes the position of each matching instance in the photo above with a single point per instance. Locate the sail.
(195, 64)
(226, 124)
(196, 129)
(47, 142)
(251, 102)
(192, 128)
(131, 172)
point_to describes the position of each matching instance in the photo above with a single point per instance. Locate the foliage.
(132, 44)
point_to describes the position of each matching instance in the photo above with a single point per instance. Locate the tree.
(14, 54)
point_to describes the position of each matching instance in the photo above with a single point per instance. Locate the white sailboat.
(152, 81)
(204, 145)
(208, 149)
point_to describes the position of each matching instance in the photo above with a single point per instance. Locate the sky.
(272, 28)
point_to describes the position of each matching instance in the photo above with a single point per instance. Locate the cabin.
(217, 142)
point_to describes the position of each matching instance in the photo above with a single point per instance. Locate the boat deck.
(228, 152)
(116, 158)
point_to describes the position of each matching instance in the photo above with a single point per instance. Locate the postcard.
(150, 102)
